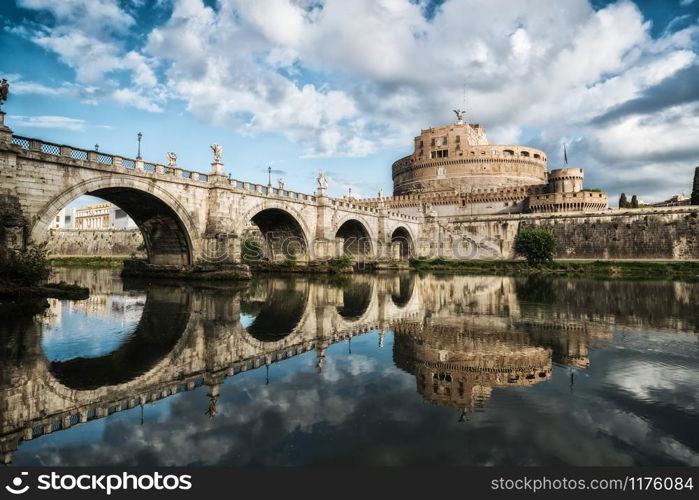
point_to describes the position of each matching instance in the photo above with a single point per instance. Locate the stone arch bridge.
(189, 217)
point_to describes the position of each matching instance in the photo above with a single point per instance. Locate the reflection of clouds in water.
(336, 368)
(365, 412)
(246, 319)
(645, 380)
(90, 329)
(636, 404)
(664, 368)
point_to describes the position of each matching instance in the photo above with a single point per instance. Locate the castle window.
(458, 139)
(536, 155)
(525, 153)
(508, 152)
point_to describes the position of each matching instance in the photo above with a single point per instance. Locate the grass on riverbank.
(61, 290)
(88, 261)
(601, 269)
(598, 268)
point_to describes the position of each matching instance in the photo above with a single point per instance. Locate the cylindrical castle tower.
(566, 181)
(459, 158)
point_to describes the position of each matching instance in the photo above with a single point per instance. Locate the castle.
(454, 170)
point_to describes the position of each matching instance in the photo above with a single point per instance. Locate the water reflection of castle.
(461, 337)
(458, 366)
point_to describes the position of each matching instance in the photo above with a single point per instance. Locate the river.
(363, 369)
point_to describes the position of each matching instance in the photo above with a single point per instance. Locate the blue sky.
(306, 85)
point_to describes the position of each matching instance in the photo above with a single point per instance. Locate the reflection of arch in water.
(356, 298)
(404, 292)
(276, 310)
(165, 317)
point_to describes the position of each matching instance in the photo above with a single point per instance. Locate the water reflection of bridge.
(188, 337)
(459, 336)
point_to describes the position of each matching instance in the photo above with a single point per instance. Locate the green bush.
(26, 267)
(537, 246)
(341, 261)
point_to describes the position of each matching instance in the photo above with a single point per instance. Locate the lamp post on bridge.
(138, 156)
(269, 176)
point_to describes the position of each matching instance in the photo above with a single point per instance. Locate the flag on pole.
(565, 154)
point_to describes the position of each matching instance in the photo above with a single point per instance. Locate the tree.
(537, 246)
(623, 202)
(634, 201)
(695, 189)
(27, 267)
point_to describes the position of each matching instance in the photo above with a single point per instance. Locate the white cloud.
(49, 121)
(88, 36)
(131, 98)
(347, 78)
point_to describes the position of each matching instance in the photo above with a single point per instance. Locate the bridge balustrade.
(50, 148)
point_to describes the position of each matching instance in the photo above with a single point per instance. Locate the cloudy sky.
(304, 85)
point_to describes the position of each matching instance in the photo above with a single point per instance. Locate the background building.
(100, 216)
(454, 170)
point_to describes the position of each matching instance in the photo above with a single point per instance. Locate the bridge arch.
(358, 238)
(283, 229)
(401, 235)
(166, 226)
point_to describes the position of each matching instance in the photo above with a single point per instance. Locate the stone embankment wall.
(643, 236)
(95, 243)
(657, 233)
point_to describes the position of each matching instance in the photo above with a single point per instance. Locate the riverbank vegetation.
(26, 267)
(339, 265)
(536, 245)
(593, 269)
(23, 273)
(87, 261)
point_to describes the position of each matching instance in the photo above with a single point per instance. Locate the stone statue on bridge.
(280, 183)
(4, 90)
(171, 160)
(217, 150)
(459, 115)
(322, 181)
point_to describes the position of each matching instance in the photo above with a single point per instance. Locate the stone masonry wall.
(95, 243)
(643, 236)
(661, 234)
